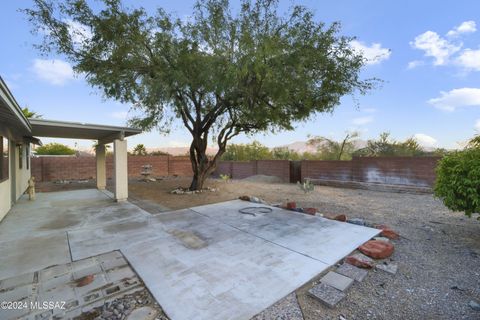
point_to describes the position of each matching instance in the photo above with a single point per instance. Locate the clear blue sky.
(431, 73)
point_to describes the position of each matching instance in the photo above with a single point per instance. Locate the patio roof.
(76, 130)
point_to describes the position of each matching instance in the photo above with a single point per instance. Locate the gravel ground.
(122, 307)
(438, 256)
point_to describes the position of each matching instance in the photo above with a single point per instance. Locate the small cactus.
(307, 186)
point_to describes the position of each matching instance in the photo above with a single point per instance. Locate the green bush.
(54, 149)
(458, 181)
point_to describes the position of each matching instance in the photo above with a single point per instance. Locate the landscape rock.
(360, 260)
(387, 232)
(474, 305)
(390, 234)
(377, 249)
(244, 198)
(381, 239)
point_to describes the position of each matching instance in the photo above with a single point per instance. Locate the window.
(3, 158)
(27, 155)
(20, 156)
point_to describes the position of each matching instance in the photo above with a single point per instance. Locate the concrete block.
(337, 281)
(326, 294)
(54, 282)
(115, 275)
(98, 282)
(17, 294)
(353, 272)
(17, 281)
(110, 263)
(53, 272)
(90, 270)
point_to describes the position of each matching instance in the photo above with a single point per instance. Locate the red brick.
(377, 249)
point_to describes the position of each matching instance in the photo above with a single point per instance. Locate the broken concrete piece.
(356, 221)
(381, 239)
(390, 268)
(337, 281)
(377, 249)
(326, 294)
(360, 260)
(353, 272)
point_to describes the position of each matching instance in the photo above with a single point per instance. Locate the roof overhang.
(76, 130)
(13, 124)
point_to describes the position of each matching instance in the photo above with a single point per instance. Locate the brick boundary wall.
(409, 171)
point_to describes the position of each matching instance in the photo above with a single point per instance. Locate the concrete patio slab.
(209, 262)
(321, 239)
(27, 255)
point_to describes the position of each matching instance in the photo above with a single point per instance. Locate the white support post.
(120, 169)
(100, 155)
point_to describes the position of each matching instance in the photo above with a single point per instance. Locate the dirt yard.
(438, 256)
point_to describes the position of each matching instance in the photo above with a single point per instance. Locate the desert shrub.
(458, 180)
(55, 149)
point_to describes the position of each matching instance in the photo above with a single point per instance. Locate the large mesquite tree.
(220, 73)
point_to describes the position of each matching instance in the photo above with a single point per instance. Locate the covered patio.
(104, 134)
(207, 262)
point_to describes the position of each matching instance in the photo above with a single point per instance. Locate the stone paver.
(286, 308)
(326, 294)
(353, 272)
(337, 281)
(58, 285)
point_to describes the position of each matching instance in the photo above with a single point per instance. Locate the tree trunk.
(202, 166)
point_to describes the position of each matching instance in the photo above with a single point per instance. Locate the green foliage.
(385, 146)
(54, 149)
(225, 177)
(335, 150)
(139, 150)
(307, 186)
(30, 114)
(246, 152)
(458, 180)
(219, 73)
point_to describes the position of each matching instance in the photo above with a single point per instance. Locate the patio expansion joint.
(269, 241)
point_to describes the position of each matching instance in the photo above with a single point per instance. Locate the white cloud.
(370, 110)
(56, 72)
(435, 46)
(469, 59)
(373, 54)
(122, 115)
(425, 140)
(456, 98)
(477, 125)
(77, 31)
(464, 27)
(362, 120)
(415, 63)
